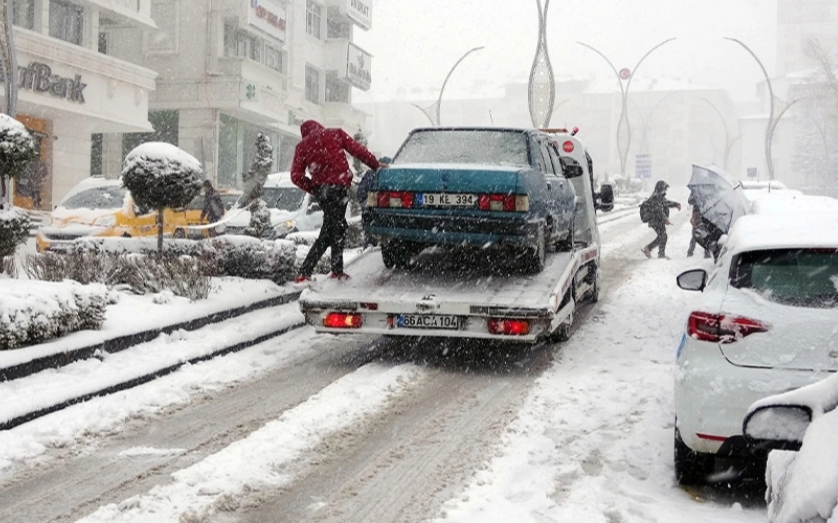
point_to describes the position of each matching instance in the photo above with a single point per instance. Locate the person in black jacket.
(213, 206)
(659, 219)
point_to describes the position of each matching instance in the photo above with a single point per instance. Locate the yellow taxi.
(103, 207)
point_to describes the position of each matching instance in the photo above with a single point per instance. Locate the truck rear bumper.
(439, 229)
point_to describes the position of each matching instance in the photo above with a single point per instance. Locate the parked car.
(799, 428)
(755, 189)
(475, 188)
(292, 209)
(764, 324)
(103, 207)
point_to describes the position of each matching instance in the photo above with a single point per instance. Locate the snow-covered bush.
(33, 312)
(260, 220)
(17, 149)
(254, 185)
(14, 230)
(161, 175)
(251, 258)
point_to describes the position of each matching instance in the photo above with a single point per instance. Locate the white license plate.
(427, 321)
(447, 200)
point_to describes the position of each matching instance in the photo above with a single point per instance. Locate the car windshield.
(228, 199)
(801, 277)
(284, 198)
(494, 147)
(109, 197)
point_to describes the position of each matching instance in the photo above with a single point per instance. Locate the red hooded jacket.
(321, 151)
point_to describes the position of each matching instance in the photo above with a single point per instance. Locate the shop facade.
(70, 89)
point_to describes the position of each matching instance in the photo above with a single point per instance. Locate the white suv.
(767, 322)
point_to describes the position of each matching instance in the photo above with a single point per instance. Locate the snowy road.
(315, 428)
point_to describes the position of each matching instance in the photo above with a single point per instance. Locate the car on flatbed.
(447, 294)
(474, 189)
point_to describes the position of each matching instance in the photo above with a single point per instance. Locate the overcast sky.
(416, 42)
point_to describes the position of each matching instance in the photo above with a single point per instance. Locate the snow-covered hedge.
(252, 258)
(32, 312)
(14, 230)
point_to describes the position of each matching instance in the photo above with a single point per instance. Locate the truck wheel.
(396, 254)
(179, 234)
(562, 332)
(691, 467)
(537, 255)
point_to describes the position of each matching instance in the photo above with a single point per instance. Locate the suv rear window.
(800, 277)
(508, 148)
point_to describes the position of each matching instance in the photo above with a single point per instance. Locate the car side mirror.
(228, 206)
(605, 198)
(692, 280)
(313, 208)
(385, 159)
(777, 426)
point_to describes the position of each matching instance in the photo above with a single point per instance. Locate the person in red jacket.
(322, 152)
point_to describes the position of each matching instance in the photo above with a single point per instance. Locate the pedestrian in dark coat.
(659, 218)
(695, 221)
(213, 206)
(322, 152)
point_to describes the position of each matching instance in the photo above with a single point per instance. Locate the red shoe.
(339, 276)
(302, 279)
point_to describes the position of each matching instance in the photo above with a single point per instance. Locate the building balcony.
(358, 12)
(129, 12)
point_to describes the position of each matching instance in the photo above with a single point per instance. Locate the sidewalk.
(137, 319)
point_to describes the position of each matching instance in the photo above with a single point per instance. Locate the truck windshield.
(799, 277)
(493, 147)
(284, 198)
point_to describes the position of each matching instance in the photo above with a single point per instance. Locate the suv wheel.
(566, 245)
(691, 467)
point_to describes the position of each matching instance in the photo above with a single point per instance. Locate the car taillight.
(503, 202)
(509, 327)
(342, 320)
(722, 328)
(398, 199)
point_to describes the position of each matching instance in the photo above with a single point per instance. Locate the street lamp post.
(773, 119)
(432, 111)
(8, 63)
(623, 144)
(541, 89)
(646, 118)
(728, 142)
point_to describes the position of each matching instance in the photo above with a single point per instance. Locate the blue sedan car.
(473, 188)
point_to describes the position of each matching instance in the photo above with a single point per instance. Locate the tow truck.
(439, 297)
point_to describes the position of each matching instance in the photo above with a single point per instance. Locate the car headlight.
(285, 227)
(105, 221)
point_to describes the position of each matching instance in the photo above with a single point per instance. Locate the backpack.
(646, 211)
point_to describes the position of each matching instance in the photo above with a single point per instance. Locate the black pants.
(660, 239)
(333, 200)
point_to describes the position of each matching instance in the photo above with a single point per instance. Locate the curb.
(121, 343)
(140, 380)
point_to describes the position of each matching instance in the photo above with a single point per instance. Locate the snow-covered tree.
(161, 175)
(17, 149)
(254, 184)
(14, 230)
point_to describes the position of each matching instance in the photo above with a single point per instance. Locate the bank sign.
(40, 78)
(268, 16)
(361, 12)
(358, 67)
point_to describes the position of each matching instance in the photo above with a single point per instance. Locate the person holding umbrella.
(657, 211)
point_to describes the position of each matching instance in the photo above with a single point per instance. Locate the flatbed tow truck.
(439, 297)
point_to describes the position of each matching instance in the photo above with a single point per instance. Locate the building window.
(240, 43)
(312, 84)
(237, 149)
(336, 90)
(66, 21)
(335, 29)
(103, 43)
(96, 154)
(314, 19)
(166, 126)
(25, 14)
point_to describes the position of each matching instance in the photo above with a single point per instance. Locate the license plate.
(427, 321)
(447, 200)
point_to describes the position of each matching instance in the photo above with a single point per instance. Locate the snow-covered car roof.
(778, 223)
(764, 184)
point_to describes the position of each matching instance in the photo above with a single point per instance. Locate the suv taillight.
(503, 202)
(397, 199)
(722, 328)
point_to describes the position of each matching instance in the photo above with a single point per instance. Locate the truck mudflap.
(523, 308)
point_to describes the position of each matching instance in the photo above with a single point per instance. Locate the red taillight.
(722, 328)
(509, 327)
(567, 146)
(342, 320)
(396, 199)
(503, 202)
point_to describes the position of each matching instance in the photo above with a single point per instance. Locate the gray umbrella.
(720, 197)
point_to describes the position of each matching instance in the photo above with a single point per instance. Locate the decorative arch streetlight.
(626, 75)
(432, 111)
